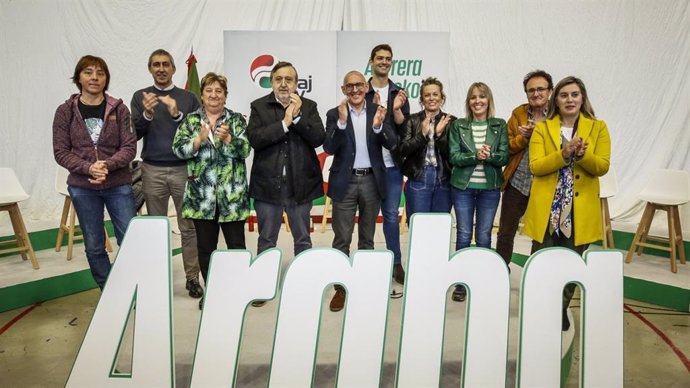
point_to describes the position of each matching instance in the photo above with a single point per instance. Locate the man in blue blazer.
(355, 133)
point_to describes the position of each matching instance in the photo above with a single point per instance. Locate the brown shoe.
(399, 273)
(338, 300)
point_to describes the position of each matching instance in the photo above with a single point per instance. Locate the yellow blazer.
(545, 160)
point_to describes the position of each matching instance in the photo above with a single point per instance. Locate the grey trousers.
(161, 183)
(361, 195)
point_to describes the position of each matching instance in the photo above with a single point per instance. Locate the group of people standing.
(546, 160)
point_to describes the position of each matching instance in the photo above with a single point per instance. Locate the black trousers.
(553, 240)
(207, 239)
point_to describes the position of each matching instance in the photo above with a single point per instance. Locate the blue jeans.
(89, 205)
(389, 208)
(427, 193)
(469, 202)
(270, 219)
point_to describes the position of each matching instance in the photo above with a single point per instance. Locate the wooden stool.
(608, 187)
(21, 237)
(72, 230)
(13, 193)
(666, 190)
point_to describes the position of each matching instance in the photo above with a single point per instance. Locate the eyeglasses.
(351, 87)
(538, 90)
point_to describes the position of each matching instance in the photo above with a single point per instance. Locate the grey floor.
(39, 347)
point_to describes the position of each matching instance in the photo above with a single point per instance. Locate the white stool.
(12, 193)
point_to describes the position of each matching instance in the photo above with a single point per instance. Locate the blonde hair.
(484, 88)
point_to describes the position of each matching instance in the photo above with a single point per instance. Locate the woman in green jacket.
(478, 147)
(213, 140)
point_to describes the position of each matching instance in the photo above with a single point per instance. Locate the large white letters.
(430, 274)
(142, 275)
(600, 276)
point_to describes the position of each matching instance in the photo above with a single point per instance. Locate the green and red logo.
(260, 70)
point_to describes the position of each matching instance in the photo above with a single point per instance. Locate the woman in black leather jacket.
(424, 147)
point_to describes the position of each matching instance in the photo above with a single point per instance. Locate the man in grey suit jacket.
(355, 133)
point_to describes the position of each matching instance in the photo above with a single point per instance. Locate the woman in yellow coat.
(567, 154)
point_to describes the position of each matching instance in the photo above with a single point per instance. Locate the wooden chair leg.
(608, 231)
(609, 227)
(108, 245)
(12, 209)
(641, 230)
(679, 234)
(23, 235)
(403, 220)
(324, 218)
(287, 224)
(604, 235)
(63, 224)
(649, 208)
(672, 240)
(70, 231)
(648, 217)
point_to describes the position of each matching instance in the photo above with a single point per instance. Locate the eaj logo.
(260, 70)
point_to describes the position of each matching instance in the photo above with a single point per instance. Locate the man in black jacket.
(284, 129)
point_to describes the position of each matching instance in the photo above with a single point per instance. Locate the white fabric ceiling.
(633, 55)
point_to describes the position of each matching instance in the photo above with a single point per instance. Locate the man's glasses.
(537, 90)
(357, 86)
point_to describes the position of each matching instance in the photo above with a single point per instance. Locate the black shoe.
(459, 294)
(565, 323)
(201, 304)
(195, 290)
(399, 273)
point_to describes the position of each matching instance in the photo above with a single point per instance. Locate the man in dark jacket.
(284, 129)
(356, 131)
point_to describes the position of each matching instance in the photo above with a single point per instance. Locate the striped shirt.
(478, 178)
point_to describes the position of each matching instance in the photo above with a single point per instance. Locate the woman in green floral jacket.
(213, 140)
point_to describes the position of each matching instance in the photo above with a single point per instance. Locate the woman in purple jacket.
(93, 139)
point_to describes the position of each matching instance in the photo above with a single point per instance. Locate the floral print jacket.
(216, 173)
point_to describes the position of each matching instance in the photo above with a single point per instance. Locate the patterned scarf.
(561, 219)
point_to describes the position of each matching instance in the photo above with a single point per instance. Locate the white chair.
(325, 171)
(12, 193)
(666, 190)
(608, 187)
(73, 232)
